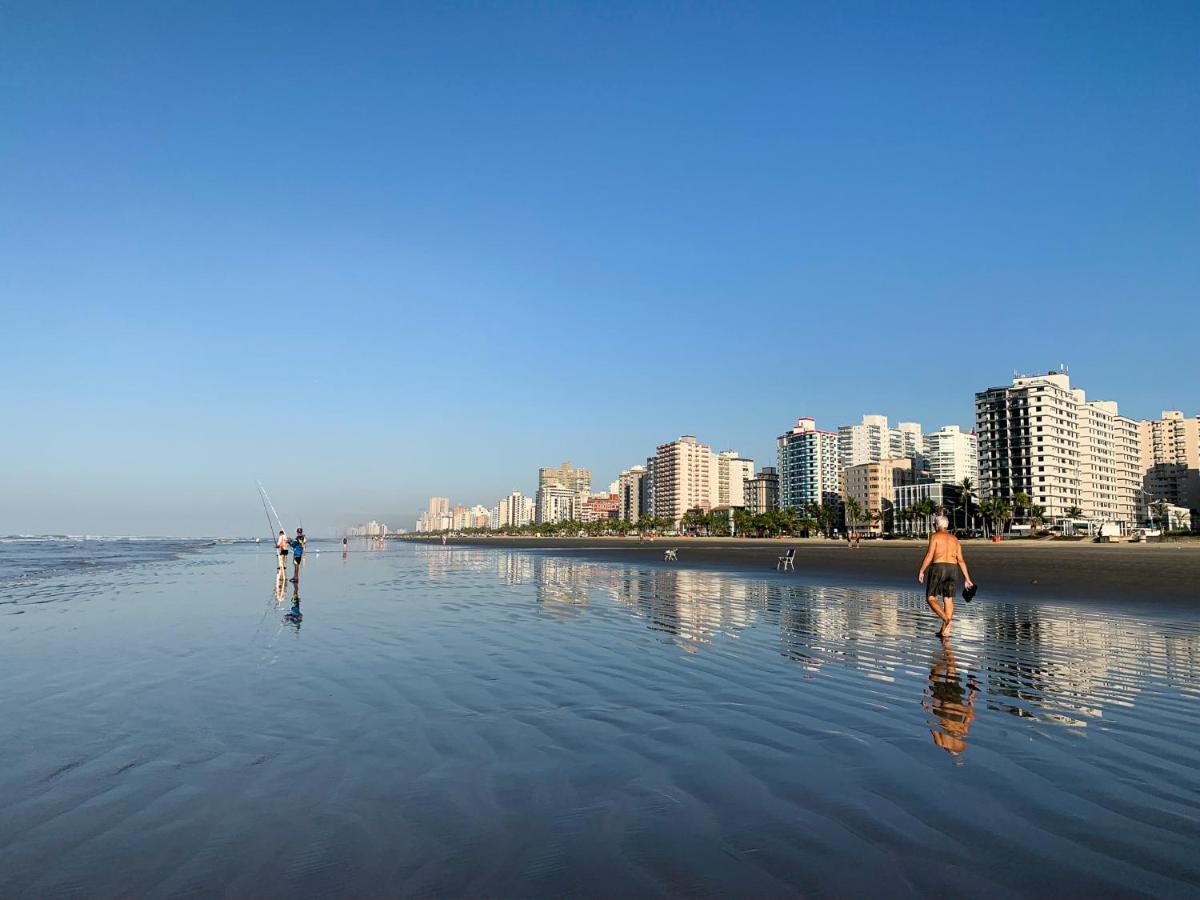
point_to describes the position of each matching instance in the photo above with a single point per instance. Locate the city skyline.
(336, 256)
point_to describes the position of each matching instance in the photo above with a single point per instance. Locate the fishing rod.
(267, 502)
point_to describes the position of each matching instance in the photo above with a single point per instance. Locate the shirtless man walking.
(943, 560)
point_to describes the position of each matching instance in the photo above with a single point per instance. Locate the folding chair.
(787, 561)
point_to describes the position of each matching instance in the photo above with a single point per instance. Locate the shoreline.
(1137, 576)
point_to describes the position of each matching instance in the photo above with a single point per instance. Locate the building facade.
(682, 475)
(946, 498)
(952, 455)
(557, 504)
(762, 491)
(600, 506)
(808, 465)
(873, 486)
(1109, 476)
(1169, 460)
(727, 480)
(629, 493)
(873, 439)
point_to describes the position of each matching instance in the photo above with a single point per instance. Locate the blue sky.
(370, 252)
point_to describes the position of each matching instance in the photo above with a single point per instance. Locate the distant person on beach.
(282, 545)
(943, 560)
(297, 554)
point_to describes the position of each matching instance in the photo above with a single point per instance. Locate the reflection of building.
(808, 465)
(682, 473)
(1169, 459)
(762, 491)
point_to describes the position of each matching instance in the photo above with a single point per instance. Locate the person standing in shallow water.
(943, 560)
(282, 546)
(297, 554)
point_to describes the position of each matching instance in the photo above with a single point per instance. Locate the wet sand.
(1137, 576)
(482, 722)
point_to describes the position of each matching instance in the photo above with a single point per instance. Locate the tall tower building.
(727, 480)
(682, 478)
(1043, 438)
(808, 465)
(952, 455)
(1169, 460)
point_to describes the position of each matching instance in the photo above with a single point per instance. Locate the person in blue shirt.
(297, 546)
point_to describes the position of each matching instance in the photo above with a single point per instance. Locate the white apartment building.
(515, 510)
(1109, 476)
(873, 440)
(1169, 459)
(557, 504)
(951, 455)
(808, 465)
(1041, 437)
(682, 478)
(727, 480)
(439, 506)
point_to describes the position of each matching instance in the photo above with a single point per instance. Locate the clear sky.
(369, 252)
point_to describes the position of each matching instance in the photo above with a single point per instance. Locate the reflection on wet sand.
(1060, 665)
(952, 706)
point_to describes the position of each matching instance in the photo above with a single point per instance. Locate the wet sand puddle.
(445, 721)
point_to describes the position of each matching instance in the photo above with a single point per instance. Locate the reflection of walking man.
(943, 560)
(953, 712)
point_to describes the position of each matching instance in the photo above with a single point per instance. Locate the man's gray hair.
(941, 522)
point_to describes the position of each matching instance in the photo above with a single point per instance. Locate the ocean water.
(441, 721)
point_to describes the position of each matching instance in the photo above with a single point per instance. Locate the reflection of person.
(952, 707)
(293, 616)
(943, 559)
(280, 582)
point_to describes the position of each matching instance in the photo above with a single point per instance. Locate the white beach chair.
(671, 555)
(787, 561)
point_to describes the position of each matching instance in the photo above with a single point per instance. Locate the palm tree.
(1021, 500)
(1035, 515)
(966, 490)
(1162, 507)
(1073, 513)
(743, 521)
(854, 512)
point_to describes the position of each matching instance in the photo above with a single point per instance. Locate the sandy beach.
(1139, 576)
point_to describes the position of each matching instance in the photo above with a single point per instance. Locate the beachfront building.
(762, 491)
(727, 479)
(873, 486)
(515, 510)
(1169, 460)
(1109, 473)
(557, 504)
(647, 498)
(1029, 442)
(808, 465)
(368, 529)
(946, 499)
(682, 476)
(873, 439)
(566, 476)
(629, 491)
(600, 506)
(952, 455)
(1041, 437)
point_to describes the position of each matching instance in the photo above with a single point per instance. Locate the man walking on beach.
(943, 560)
(282, 545)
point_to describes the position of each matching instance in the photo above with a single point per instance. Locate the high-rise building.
(557, 504)
(1040, 437)
(600, 506)
(952, 455)
(515, 510)
(762, 491)
(629, 492)
(682, 473)
(647, 502)
(873, 486)
(727, 480)
(1109, 476)
(439, 506)
(808, 465)
(567, 476)
(873, 440)
(1169, 460)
